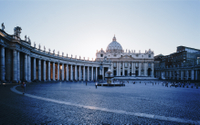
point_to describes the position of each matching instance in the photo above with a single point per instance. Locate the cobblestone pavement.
(168, 102)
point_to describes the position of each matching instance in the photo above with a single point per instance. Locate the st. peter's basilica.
(127, 63)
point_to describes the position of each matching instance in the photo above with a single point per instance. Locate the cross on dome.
(114, 38)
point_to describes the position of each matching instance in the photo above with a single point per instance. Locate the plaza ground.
(78, 103)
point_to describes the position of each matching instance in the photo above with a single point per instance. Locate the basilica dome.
(114, 46)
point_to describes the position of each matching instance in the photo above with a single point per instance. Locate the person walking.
(24, 87)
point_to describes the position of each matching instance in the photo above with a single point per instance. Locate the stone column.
(29, 68)
(71, 73)
(117, 69)
(18, 66)
(2, 64)
(88, 73)
(63, 68)
(96, 73)
(134, 68)
(120, 68)
(34, 68)
(192, 74)
(129, 69)
(112, 68)
(8, 65)
(152, 70)
(181, 74)
(92, 73)
(39, 70)
(187, 75)
(14, 66)
(80, 76)
(58, 71)
(123, 69)
(76, 72)
(49, 71)
(145, 69)
(139, 70)
(174, 75)
(44, 70)
(67, 72)
(25, 67)
(170, 74)
(177, 72)
(196, 75)
(83, 73)
(53, 71)
(102, 72)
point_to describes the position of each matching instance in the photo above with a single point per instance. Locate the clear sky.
(80, 27)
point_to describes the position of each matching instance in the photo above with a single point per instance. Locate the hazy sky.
(80, 27)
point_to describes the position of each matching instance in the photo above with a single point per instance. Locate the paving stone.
(158, 100)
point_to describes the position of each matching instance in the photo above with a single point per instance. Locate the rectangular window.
(126, 65)
(149, 64)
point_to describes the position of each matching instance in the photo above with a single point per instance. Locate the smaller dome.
(114, 46)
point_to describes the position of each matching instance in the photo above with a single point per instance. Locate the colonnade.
(19, 66)
(133, 68)
(178, 74)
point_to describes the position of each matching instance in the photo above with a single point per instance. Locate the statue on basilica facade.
(17, 31)
(34, 45)
(58, 53)
(29, 40)
(39, 46)
(44, 48)
(2, 26)
(25, 37)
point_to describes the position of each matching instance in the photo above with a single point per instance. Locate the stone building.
(22, 62)
(127, 63)
(181, 65)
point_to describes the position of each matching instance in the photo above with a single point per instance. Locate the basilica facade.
(127, 63)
